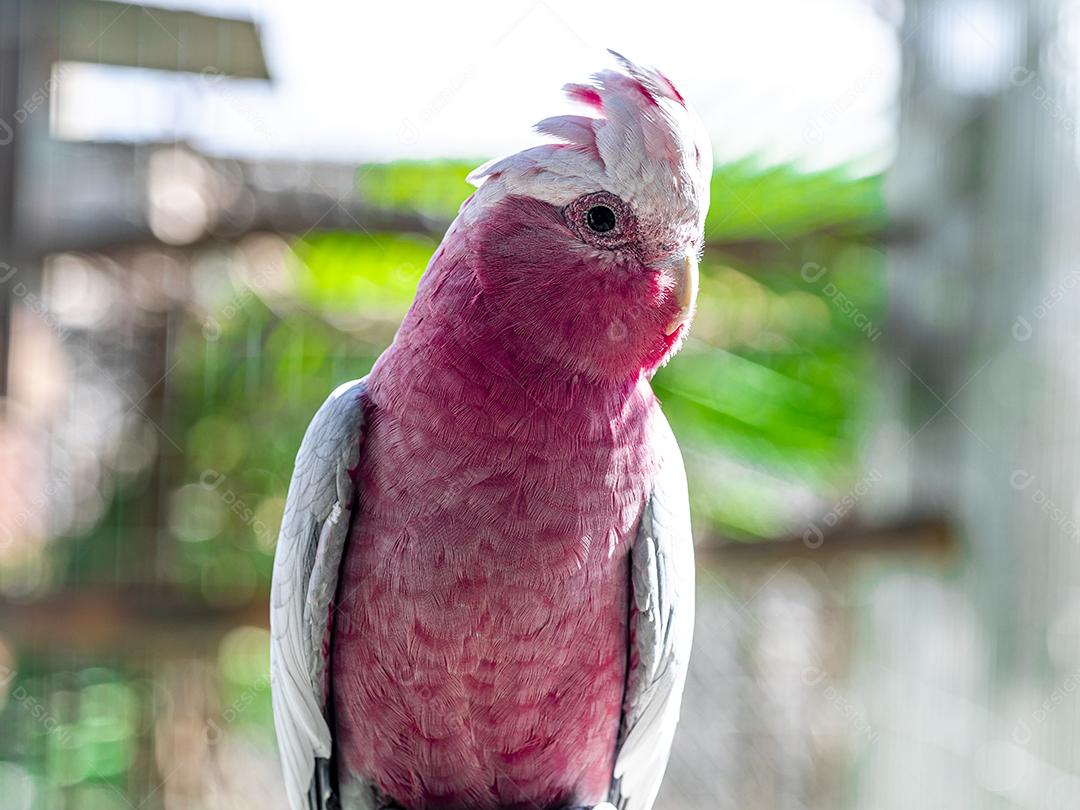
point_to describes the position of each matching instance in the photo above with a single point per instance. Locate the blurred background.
(214, 211)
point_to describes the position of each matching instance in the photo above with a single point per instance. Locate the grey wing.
(314, 530)
(662, 581)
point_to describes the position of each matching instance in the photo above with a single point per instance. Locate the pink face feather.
(602, 313)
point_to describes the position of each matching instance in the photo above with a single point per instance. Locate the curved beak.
(686, 285)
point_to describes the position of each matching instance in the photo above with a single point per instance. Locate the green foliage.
(436, 188)
(780, 202)
(72, 727)
(246, 399)
(776, 377)
(325, 270)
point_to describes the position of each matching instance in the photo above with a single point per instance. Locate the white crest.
(642, 142)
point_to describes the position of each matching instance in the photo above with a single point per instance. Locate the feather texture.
(480, 655)
(643, 142)
(314, 528)
(662, 572)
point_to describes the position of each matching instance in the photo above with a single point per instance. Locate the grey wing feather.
(662, 582)
(314, 530)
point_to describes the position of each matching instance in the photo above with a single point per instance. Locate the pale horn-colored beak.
(685, 291)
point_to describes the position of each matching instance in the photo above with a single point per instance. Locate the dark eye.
(600, 218)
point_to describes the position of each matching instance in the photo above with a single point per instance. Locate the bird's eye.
(600, 218)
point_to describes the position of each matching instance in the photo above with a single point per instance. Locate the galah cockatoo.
(483, 590)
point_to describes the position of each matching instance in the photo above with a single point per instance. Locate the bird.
(483, 587)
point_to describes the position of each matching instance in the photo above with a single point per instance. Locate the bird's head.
(587, 249)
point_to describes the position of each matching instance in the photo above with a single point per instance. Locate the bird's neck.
(473, 363)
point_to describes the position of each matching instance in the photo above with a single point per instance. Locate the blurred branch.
(291, 214)
(166, 623)
(930, 537)
(760, 254)
(119, 620)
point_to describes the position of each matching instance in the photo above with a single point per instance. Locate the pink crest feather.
(652, 81)
(584, 94)
(672, 89)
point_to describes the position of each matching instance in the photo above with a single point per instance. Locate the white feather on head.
(643, 143)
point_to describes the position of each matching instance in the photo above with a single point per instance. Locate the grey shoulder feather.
(662, 582)
(314, 530)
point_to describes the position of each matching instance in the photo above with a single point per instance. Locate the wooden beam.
(103, 621)
(132, 35)
(928, 537)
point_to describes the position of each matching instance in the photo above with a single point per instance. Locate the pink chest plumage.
(481, 643)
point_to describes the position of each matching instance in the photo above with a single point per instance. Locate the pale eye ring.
(602, 220)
